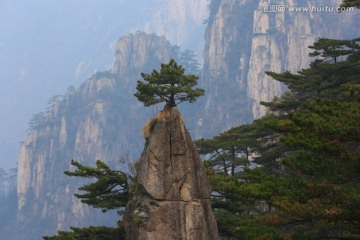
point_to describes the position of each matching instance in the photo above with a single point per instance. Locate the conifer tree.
(110, 190)
(306, 183)
(330, 49)
(351, 3)
(170, 85)
(322, 138)
(94, 233)
(234, 200)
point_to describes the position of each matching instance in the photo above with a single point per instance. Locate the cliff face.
(76, 129)
(226, 59)
(242, 41)
(140, 52)
(100, 120)
(181, 21)
(172, 196)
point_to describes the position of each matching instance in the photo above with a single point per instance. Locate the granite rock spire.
(172, 196)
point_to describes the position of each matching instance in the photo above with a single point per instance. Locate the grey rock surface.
(172, 197)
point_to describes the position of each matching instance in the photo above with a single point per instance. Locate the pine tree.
(170, 85)
(91, 233)
(321, 136)
(109, 191)
(330, 49)
(235, 200)
(307, 149)
(351, 3)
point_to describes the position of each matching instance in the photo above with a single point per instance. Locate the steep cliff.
(100, 120)
(181, 21)
(172, 196)
(243, 40)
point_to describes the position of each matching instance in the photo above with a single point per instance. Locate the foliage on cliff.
(96, 233)
(110, 190)
(351, 3)
(304, 181)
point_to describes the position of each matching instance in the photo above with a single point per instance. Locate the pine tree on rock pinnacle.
(170, 85)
